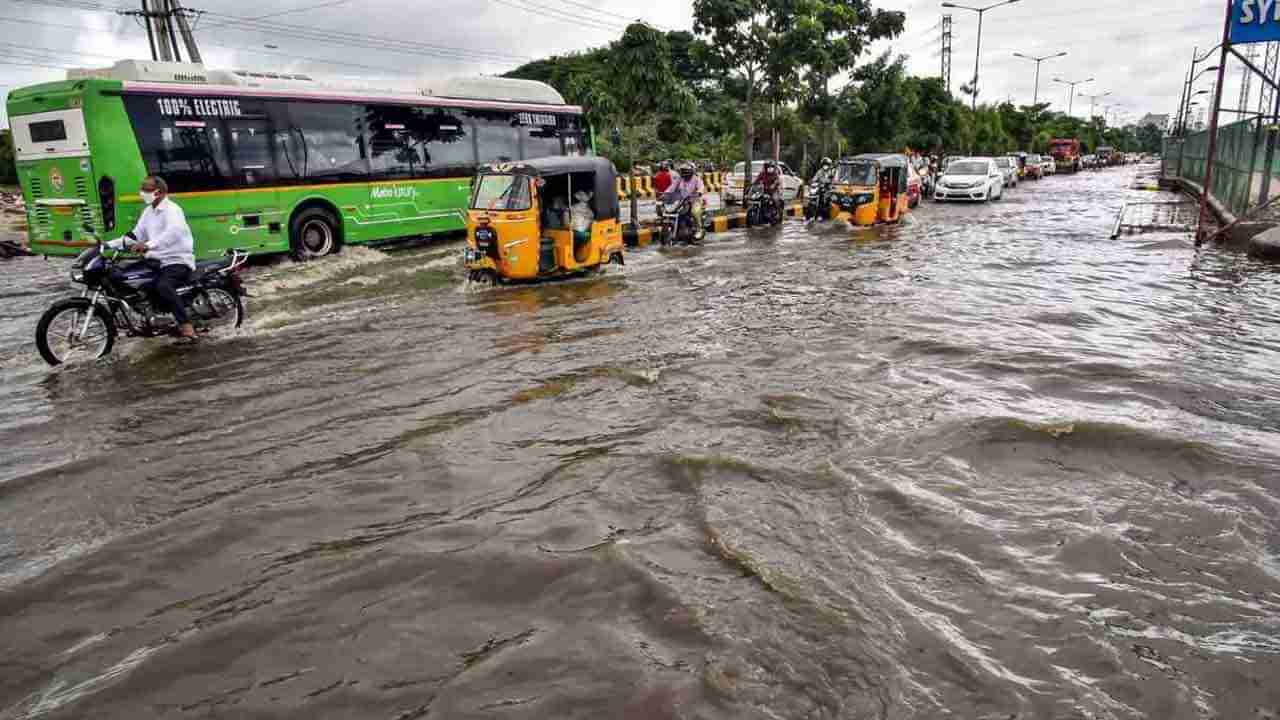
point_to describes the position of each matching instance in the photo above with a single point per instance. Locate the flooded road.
(989, 464)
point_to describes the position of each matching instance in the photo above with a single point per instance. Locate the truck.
(1066, 153)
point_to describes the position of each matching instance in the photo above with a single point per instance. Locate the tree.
(1150, 139)
(8, 170)
(936, 117)
(877, 105)
(835, 35)
(739, 39)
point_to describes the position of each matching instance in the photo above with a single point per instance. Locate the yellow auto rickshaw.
(871, 189)
(543, 218)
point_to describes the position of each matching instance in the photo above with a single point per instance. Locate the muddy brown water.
(989, 464)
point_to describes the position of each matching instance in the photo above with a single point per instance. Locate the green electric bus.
(270, 162)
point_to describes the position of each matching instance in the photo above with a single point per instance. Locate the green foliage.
(8, 169)
(786, 50)
(756, 67)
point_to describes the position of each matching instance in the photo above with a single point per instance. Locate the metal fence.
(1242, 177)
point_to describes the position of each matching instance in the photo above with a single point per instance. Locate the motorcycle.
(761, 209)
(676, 223)
(817, 205)
(118, 297)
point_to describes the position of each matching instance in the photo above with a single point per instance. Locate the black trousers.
(170, 279)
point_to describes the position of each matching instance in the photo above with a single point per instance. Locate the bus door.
(259, 223)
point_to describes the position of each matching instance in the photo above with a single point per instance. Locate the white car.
(1049, 166)
(978, 179)
(734, 188)
(1009, 167)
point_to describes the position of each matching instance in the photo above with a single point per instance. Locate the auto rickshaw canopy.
(895, 162)
(602, 183)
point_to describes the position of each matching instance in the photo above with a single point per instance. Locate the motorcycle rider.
(770, 181)
(826, 171)
(662, 181)
(164, 238)
(821, 185)
(689, 185)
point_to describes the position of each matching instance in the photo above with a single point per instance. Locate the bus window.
(323, 143)
(540, 141)
(447, 142)
(251, 157)
(191, 155)
(393, 147)
(497, 138)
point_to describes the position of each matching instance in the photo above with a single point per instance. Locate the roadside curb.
(646, 234)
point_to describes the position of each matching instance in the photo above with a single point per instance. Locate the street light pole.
(1093, 101)
(1035, 100)
(977, 55)
(1071, 98)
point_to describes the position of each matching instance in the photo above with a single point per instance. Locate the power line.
(536, 9)
(306, 8)
(305, 33)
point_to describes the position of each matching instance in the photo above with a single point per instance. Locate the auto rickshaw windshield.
(857, 173)
(502, 192)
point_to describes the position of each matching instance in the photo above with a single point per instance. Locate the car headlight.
(77, 275)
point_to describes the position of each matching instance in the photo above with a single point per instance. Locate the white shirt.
(165, 231)
(582, 216)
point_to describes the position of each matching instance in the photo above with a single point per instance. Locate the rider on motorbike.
(826, 171)
(689, 185)
(163, 236)
(770, 181)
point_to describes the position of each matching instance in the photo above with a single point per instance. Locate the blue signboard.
(1255, 21)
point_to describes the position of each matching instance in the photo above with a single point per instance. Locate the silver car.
(1009, 166)
(971, 179)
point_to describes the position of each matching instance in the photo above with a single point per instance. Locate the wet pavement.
(988, 464)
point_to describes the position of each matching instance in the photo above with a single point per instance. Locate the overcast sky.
(1138, 51)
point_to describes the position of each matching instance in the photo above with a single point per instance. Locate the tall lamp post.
(1190, 104)
(1191, 94)
(1071, 97)
(1093, 101)
(977, 55)
(1037, 60)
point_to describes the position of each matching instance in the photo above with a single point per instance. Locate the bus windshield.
(857, 173)
(502, 192)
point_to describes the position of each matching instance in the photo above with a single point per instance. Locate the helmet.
(686, 170)
(771, 167)
(826, 161)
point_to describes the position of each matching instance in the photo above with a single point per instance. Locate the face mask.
(147, 197)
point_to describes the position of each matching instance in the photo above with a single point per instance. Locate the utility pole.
(1035, 100)
(946, 52)
(1093, 102)
(1270, 66)
(977, 55)
(188, 38)
(164, 20)
(1071, 97)
(1246, 80)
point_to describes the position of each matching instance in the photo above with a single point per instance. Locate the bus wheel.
(313, 233)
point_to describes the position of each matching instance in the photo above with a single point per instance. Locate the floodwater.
(989, 464)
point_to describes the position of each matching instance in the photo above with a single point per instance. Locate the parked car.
(1035, 167)
(1089, 162)
(977, 179)
(1049, 166)
(1009, 167)
(734, 184)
